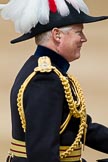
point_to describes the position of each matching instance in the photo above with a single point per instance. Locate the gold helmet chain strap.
(44, 65)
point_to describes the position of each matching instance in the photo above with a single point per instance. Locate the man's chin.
(74, 59)
(78, 56)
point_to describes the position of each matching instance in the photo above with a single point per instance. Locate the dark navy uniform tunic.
(45, 110)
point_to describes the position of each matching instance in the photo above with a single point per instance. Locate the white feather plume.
(27, 13)
(83, 6)
(44, 12)
(30, 16)
(2, 6)
(13, 10)
(62, 7)
(79, 5)
(74, 4)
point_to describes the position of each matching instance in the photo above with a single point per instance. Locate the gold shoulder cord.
(44, 65)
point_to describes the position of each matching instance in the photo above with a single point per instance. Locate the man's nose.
(84, 39)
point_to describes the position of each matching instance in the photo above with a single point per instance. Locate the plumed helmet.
(33, 17)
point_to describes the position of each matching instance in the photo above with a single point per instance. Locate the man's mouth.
(80, 46)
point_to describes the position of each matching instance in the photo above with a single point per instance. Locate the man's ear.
(56, 34)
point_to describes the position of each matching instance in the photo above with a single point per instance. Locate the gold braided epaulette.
(44, 65)
(77, 108)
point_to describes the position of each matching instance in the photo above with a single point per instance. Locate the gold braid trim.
(44, 65)
(73, 105)
(20, 100)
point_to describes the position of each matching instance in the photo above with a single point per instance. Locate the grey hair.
(41, 38)
(44, 37)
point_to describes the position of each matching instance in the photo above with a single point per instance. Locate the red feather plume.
(52, 6)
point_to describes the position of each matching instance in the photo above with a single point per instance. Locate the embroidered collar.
(56, 59)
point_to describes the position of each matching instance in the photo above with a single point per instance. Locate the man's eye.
(79, 32)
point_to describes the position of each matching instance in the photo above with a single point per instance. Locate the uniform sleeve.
(43, 102)
(97, 136)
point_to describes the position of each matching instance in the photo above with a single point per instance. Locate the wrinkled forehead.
(71, 27)
(74, 27)
(77, 26)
